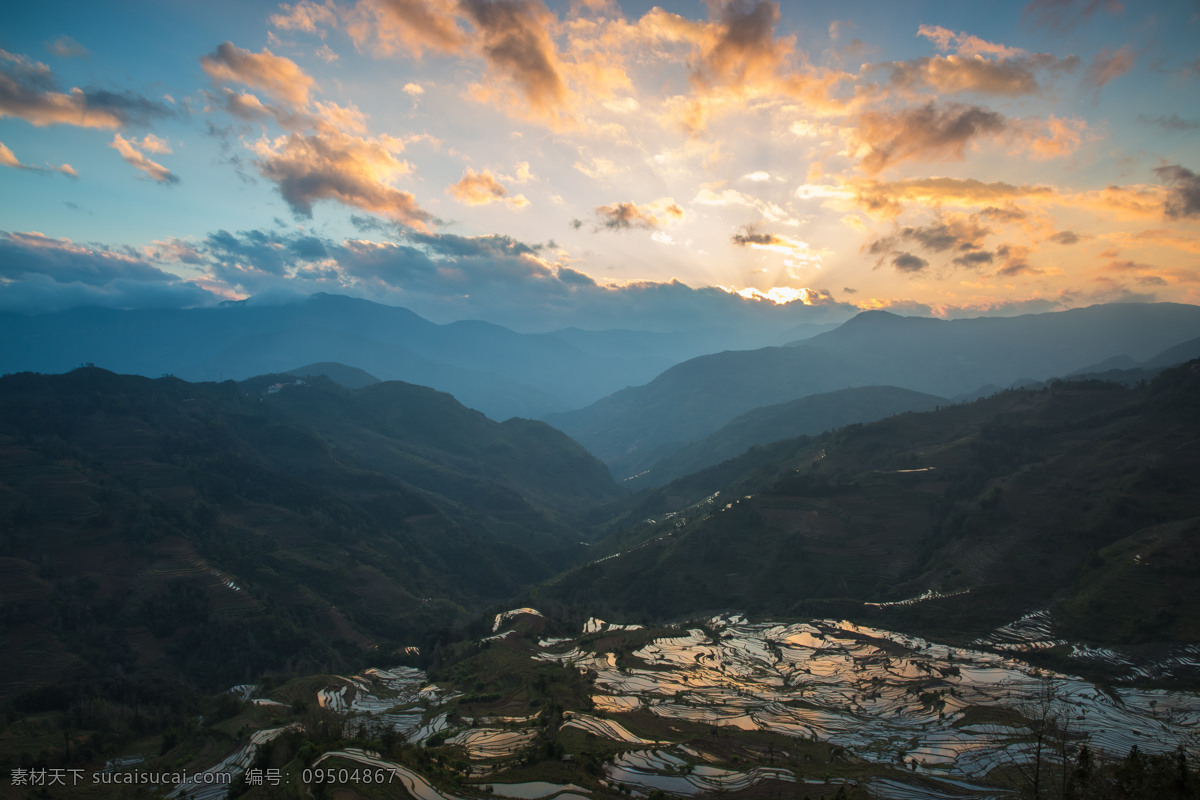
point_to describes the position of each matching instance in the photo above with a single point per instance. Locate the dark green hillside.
(1022, 500)
(221, 530)
(804, 417)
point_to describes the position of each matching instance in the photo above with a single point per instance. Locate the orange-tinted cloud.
(965, 44)
(387, 27)
(517, 46)
(925, 132)
(741, 47)
(1108, 66)
(623, 216)
(280, 77)
(482, 188)
(305, 16)
(331, 165)
(152, 169)
(887, 198)
(28, 90)
(1053, 137)
(9, 159)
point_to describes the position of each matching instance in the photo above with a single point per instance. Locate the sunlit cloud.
(410, 27)
(482, 188)
(139, 161)
(280, 77)
(331, 165)
(10, 160)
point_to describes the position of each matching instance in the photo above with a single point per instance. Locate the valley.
(865, 592)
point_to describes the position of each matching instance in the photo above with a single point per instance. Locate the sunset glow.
(526, 162)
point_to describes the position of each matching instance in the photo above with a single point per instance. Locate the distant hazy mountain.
(804, 417)
(634, 428)
(218, 530)
(1079, 497)
(485, 366)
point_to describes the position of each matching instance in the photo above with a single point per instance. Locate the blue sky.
(602, 163)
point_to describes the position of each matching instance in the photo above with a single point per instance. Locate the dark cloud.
(515, 43)
(749, 236)
(907, 262)
(974, 259)
(1061, 15)
(623, 216)
(45, 274)
(23, 254)
(1184, 185)
(928, 131)
(29, 90)
(1006, 214)
(962, 234)
(745, 46)
(1064, 237)
(1171, 124)
(331, 165)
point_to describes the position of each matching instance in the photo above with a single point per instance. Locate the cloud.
(517, 46)
(28, 90)
(66, 47)
(1065, 238)
(40, 274)
(278, 76)
(771, 212)
(958, 233)
(924, 132)
(331, 165)
(907, 262)
(951, 74)
(388, 27)
(965, 44)
(1171, 124)
(1016, 260)
(63, 261)
(1108, 66)
(975, 66)
(797, 254)
(623, 216)
(888, 198)
(305, 16)
(152, 169)
(1061, 15)
(1053, 137)
(1183, 199)
(743, 48)
(9, 159)
(480, 189)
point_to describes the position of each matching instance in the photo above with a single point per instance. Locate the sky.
(599, 163)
